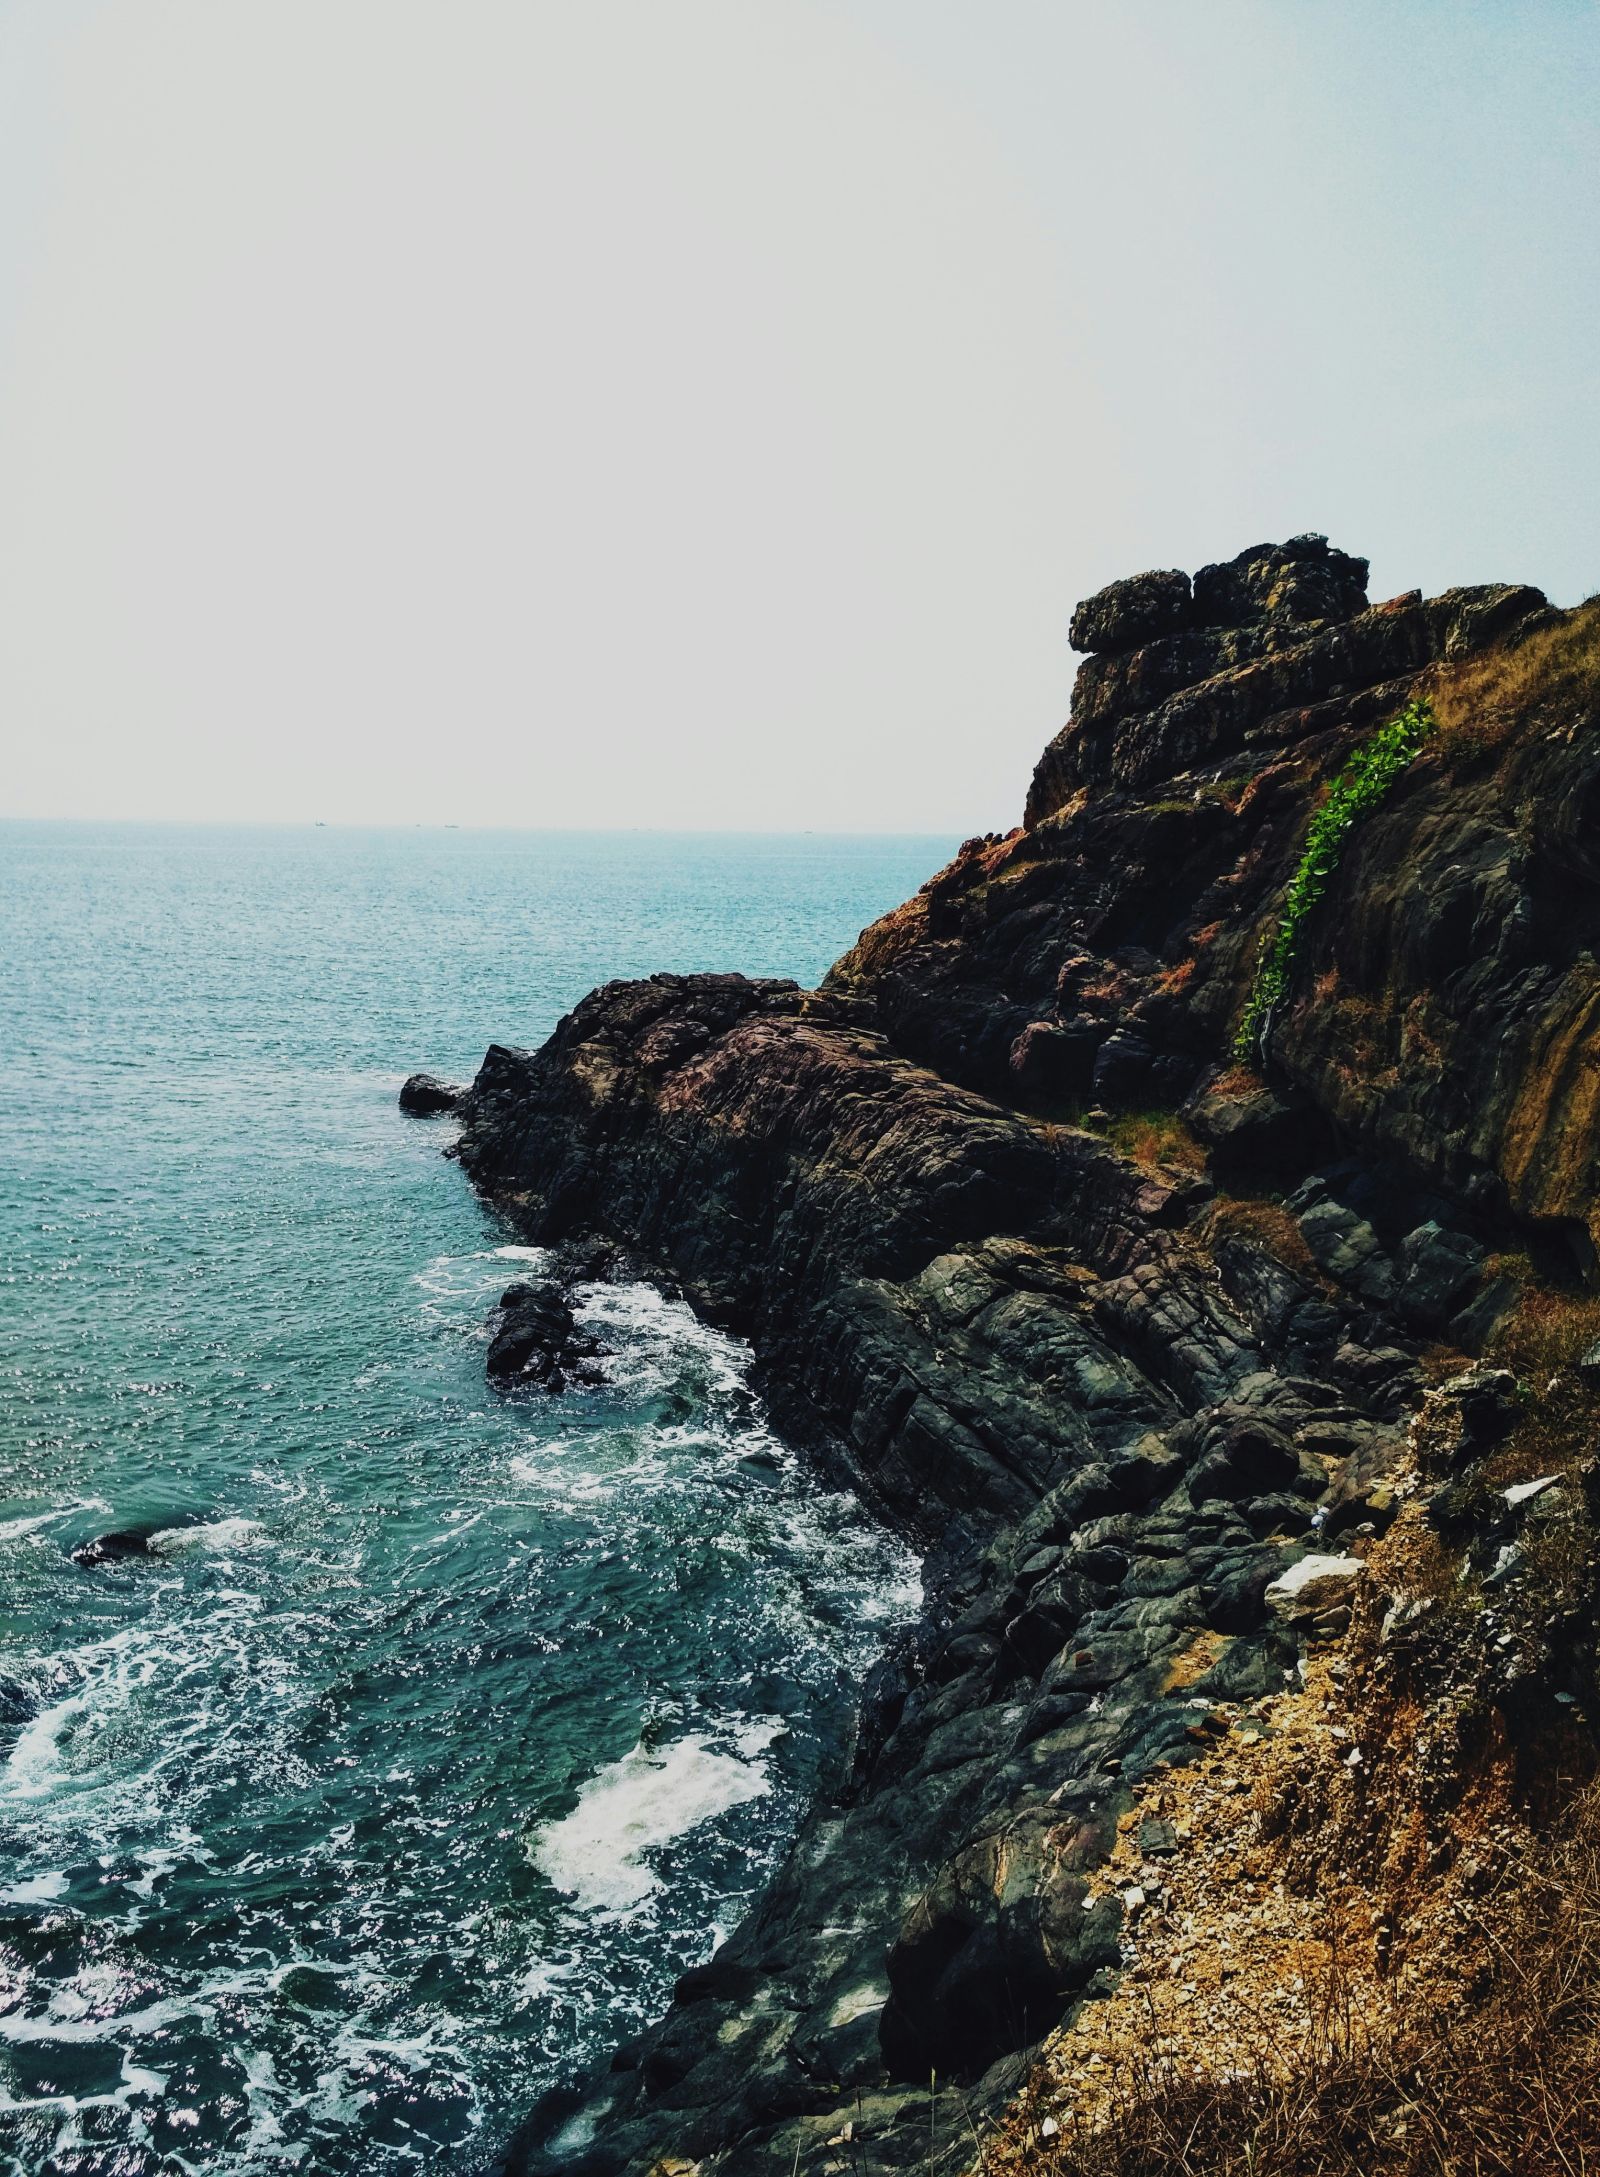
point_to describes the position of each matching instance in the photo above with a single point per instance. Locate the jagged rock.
(538, 1342)
(1341, 1243)
(1157, 1838)
(1478, 1410)
(1437, 1270)
(1369, 1458)
(424, 1095)
(1135, 610)
(1304, 579)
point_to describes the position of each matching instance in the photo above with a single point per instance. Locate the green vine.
(1365, 779)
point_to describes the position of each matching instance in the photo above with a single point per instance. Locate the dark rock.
(1474, 1325)
(1122, 1067)
(1479, 1409)
(1387, 1380)
(1253, 1131)
(424, 1095)
(1133, 611)
(1361, 1494)
(1436, 1271)
(590, 1262)
(1302, 580)
(18, 1703)
(990, 1952)
(539, 1343)
(1341, 1243)
(112, 1549)
(1242, 1457)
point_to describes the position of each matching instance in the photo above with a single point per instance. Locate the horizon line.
(574, 831)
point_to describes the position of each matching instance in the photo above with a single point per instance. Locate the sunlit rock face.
(1122, 1331)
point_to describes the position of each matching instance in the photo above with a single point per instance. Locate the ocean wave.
(599, 1854)
(212, 1534)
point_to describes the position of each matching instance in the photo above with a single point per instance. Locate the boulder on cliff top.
(1302, 580)
(1138, 609)
(424, 1095)
(1305, 579)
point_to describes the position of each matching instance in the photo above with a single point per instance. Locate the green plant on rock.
(1358, 788)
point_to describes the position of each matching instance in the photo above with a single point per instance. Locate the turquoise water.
(440, 1731)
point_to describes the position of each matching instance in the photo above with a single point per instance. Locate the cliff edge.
(1181, 1217)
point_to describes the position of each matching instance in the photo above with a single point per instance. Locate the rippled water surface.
(438, 1733)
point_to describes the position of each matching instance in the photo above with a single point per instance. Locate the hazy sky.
(706, 412)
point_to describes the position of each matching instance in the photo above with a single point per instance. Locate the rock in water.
(539, 1343)
(18, 1703)
(425, 1096)
(112, 1549)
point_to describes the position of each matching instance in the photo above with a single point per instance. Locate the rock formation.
(537, 1343)
(1133, 1338)
(424, 1095)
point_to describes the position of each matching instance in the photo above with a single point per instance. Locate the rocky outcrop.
(424, 1095)
(537, 1343)
(1124, 1334)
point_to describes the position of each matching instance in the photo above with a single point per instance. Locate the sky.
(705, 413)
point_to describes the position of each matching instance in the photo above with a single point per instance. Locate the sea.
(438, 1731)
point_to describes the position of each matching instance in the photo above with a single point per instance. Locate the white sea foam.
(211, 1534)
(598, 1853)
(652, 1337)
(12, 1529)
(37, 1890)
(34, 1763)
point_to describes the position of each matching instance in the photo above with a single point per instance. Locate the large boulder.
(425, 1095)
(1305, 579)
(1135, 610)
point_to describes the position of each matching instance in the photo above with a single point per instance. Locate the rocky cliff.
(1173, 1359)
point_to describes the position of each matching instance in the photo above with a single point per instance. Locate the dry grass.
(1546, 1332)
(1540, 1340)
(1503, 2083)
(1156, 1141)
(1484, 705)
(1262, 1223)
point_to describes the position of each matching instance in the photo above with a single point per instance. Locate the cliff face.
(1123, 1330)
